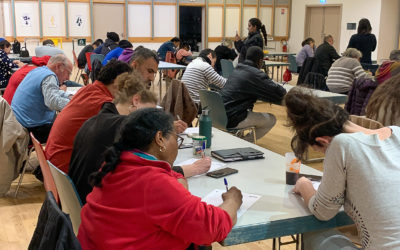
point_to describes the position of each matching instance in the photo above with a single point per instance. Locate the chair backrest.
(70, 202)
(226, 67)
(89, 62)
(365, 122)
(48, 180)
(293, 64)
(213, 101)
(94, 57)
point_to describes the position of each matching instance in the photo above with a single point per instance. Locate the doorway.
(322, 21)
(190, 26)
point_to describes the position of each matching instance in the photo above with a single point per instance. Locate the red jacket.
(14, 82)
(86, 103)
(141, 205)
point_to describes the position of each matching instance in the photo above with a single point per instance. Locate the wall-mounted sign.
(82, 42)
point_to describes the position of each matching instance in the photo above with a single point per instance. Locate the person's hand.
(180, 126)
(63, 87)
(20, 64)
(234, 195)
(302, 184)
(16, 61)
(198, 167)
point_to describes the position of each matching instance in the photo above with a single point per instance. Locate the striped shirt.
(199, 75)
(342, 74)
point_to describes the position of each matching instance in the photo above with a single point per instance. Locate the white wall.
(352, 12)
(390, 27)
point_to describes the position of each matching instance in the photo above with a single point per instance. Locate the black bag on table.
(24, 52)
(16, 47)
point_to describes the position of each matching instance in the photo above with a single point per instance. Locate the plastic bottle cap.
(205, 111)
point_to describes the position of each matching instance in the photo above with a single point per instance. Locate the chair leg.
(23, 171)
(76, 76)
(253, 129)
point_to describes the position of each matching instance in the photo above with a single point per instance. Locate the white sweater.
(199, 75)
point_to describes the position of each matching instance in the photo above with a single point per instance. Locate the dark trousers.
(41, 133)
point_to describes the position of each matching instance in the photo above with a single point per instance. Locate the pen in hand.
(226, 184)
(177, 116)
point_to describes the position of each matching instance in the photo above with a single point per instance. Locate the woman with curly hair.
(361, 172)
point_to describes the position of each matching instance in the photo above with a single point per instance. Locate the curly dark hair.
(311, 117)
(112, 69)
(137, 133)
(383, 106)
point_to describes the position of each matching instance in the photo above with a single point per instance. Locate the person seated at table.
(6, 64)
(224, 51)
(184, 55)
(170, 45)
(307, 50)
(361, 170)
(126, 55)
(48, 49)
(86, 103)
(39, 96)
(247, 84)
(383, 105)
(139, 202)
(110, 43)
(99, 133)
(254, 38)
(344, 70)
(146, 62)
(326, 55)
(88, 48)
(200, 74)
(389, 68)
(115, 53)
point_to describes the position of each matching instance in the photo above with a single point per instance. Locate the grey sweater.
(362, 173)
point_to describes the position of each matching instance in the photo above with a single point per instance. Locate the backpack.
(16, 47)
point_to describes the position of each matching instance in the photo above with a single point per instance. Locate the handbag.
(16, 47)
(287, 76)
(24, 52)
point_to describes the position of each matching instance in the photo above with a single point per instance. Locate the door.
(108, 17)
(322, 21)
(190, 26)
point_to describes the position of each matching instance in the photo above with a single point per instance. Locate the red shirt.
(141, 205)
(86, 103)
(14, 82)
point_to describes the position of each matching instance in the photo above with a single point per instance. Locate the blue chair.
(70, 202)
(213, 101)
(226, 67)
(293, 65)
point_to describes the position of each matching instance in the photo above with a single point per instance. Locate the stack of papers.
(215, 198)
(214, 165)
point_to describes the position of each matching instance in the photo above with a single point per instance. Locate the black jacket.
(108, 46)
(325, 55)
(244, 87)
(366, 43)
(254, 39)
(53, 229)
(93, 138)
(223, 52)
(82, 55)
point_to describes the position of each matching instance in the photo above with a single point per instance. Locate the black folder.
(237, 154)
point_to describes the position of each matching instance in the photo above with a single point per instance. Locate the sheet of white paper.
(215, 198)
(193, 130)
(214, 165)
(316, 184)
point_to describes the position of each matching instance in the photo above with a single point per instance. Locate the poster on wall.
(78, 21)
(52, 22)
(26, 20)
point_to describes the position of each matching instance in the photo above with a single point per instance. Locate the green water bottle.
(205, 125)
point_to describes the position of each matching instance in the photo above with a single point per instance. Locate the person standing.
(255, 27)
(364, 41)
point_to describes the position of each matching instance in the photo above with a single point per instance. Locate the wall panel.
(137, 16)
(79, 19)
(232, 21)
(248, 12)
(7, 19)
(53, 18)
(164, 21)
(215, 21)
(266, 18)
(27, 18)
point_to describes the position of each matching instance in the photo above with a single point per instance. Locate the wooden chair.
(226, 67)
(70, 202)
(365, 122)
(89, 62)
(293, 65)
(213, 101)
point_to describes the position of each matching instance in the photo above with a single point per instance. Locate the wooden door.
(108, 17)
(332, 22)
(315, 24)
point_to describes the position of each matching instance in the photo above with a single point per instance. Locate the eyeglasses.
(179, 139)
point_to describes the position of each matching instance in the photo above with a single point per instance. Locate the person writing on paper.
(361, 171)
(99, 133)
(139, 202)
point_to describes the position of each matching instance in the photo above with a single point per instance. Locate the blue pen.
(226, 184)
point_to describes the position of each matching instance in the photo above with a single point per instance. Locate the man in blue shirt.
(171, 45)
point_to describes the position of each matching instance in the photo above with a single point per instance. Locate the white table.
(334, 97)
(279, 55)
(274, 64)
(279, 212)
(166, 66)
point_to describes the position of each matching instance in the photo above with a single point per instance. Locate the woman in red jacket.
(139, 203)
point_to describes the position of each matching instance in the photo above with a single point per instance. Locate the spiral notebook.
(237, 154)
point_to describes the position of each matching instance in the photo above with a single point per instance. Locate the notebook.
(237, 154)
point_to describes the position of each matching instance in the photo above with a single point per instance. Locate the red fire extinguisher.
(284, 45)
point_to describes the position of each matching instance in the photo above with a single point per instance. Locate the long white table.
(165, 66)
(279, 212)
(279, 55)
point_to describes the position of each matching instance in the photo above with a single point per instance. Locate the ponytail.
(264, 32)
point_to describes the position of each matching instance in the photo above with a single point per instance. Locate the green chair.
(70, 202)
(213, 101)
(293, 64)
(226, 67)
